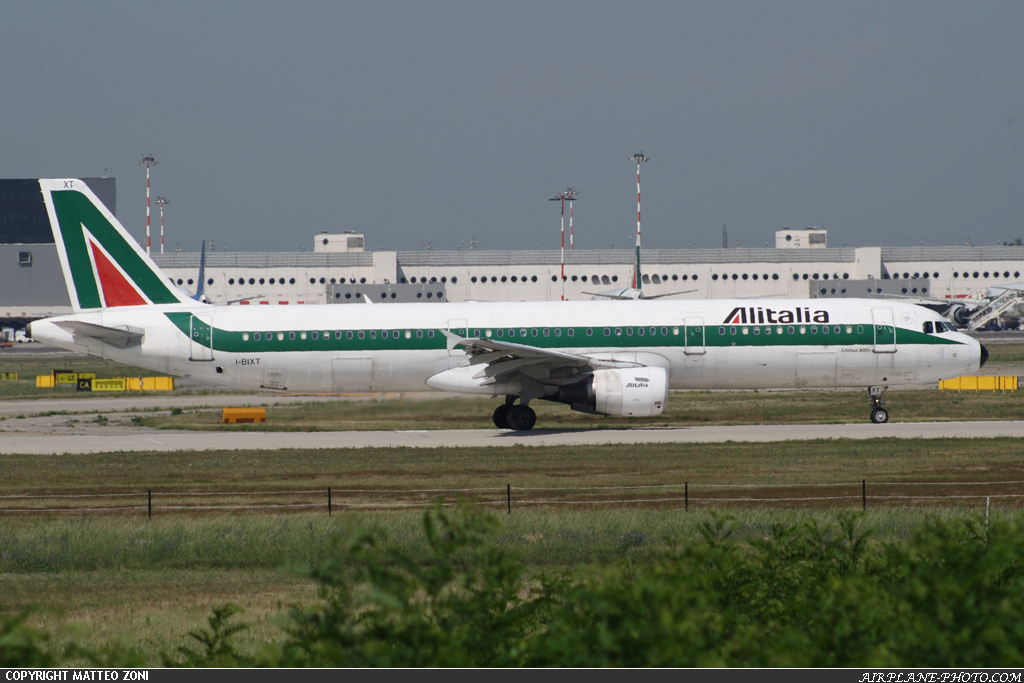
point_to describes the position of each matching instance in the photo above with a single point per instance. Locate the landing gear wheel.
(521, 418)
(501, 416)
(879, 415)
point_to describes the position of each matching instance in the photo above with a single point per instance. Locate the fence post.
(508, 494)
(149, 503)
(328, 501)
(686, 494)
(864, 493)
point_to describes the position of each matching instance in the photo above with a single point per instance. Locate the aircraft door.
(201, 336)
(694, 336)
(460, 328)
(885, 330)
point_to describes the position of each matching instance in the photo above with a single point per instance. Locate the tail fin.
(201, 287)
(103, 266)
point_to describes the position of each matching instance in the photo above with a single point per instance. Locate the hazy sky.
(888, 122)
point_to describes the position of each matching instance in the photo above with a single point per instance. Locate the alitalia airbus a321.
(603, 357)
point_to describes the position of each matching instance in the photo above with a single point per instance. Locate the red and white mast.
(162, 201)
(637, 279)
(569, 194)
(572, 195)
(147, 161)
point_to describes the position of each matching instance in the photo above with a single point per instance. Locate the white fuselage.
(701, 346)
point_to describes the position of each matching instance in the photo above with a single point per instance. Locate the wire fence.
(673, 495)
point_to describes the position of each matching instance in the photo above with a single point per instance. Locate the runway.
(157, 440)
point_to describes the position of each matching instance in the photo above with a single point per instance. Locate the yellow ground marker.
(236, 415)
(994, 383)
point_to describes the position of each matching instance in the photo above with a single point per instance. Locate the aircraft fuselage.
(716, 344)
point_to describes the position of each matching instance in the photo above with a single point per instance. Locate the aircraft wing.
(504, 359)
(617, 297)
(634, 294)
(235, 301)
(122, 336)
(660, 296)
(925, 299)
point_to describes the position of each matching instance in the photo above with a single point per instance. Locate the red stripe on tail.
(116, 290)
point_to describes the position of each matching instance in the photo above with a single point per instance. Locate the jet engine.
(959, 314)
(628, 392)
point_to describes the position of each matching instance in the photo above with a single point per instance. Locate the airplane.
(200, 294)
(635, 291)
(1002, 305)
(602, 357)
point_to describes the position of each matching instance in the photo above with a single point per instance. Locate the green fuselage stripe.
(405, 339)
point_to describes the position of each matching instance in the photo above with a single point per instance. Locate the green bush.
(21, 646)
(806, 594)
(801, 594)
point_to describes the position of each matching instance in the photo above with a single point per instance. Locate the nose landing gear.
(879, 415)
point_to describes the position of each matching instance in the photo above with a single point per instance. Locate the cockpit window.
(928, 327)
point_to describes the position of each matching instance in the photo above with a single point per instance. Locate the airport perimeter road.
(480, 438)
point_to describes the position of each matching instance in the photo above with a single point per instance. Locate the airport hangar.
(340, 270)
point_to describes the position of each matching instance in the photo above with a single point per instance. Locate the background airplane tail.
(103, 265)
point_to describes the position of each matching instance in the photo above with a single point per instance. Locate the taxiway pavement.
(158, 440)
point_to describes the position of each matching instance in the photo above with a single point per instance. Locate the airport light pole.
(147, 161)
(637, 281)
(572, 195)
(162, 201)
(569, 194)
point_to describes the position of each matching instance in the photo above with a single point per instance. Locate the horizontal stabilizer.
(121, 336)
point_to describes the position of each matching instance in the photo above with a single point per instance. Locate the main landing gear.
(879, 415)
(510, 416)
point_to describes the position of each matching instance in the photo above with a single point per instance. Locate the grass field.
(373, 471)
(29, 365)
(101, 577)
(1005, 354)
(146, 585)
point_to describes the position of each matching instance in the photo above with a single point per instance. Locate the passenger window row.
(338, 334)
(557, 332)
(824, 276)
(975, 274)
(423, 280)
(908, 276)
(263, 281)
(787, 329)
(755, 276)
(495, 333)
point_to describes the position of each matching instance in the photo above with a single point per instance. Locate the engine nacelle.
(465, 380)
(629, 392)
(959, 314)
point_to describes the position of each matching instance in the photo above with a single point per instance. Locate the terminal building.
(340, 270)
